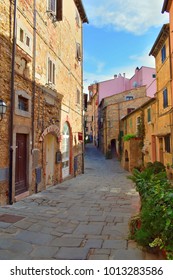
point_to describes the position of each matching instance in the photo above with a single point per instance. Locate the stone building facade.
(41, 135)
(111, 110)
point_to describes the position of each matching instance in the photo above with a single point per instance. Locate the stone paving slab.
(84, 218)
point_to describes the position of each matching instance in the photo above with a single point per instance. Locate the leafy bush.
(156, 208)
(156, 166)
(127, 137)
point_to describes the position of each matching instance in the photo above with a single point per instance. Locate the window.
(54, 8)
(130, 123)
(165, 98)
(77, 18)
(149, 114)
(78, 96)
(138, 125)
(22, 103)
(129, 97)
(78, 52)
(154, 76)
(129, 110)
(51, 72)
(167, 143)
(27, 41)
(24, 38)
(163, 53)
(21, 35)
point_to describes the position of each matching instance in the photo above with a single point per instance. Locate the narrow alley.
(83, 218)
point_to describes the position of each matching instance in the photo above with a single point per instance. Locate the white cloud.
(134, 16)
(92, 60)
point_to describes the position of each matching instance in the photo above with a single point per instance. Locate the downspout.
(83, 142)
(33, 75)
(12, 104)
(171, 87)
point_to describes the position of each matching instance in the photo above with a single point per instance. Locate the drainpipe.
(12, 104)
(33, 74)
(83, 143)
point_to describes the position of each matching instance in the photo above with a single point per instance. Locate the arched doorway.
(66, 151)
(113, 148)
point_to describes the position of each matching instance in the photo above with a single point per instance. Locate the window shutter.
(78, 52)
(49, 5)
(53, 74)
(59, 4)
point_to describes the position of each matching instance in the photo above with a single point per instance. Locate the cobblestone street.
(83, 218)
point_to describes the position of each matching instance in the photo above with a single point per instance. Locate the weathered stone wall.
(48, 105)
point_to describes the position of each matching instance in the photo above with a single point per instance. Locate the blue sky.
(119, 37)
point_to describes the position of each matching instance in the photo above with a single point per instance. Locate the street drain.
(7, 218)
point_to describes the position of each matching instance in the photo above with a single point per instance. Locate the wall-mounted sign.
(80, 136)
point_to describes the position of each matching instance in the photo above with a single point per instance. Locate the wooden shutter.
(59, 4)
(78, 52)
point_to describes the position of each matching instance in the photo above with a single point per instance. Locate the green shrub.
(127, 137)
(156, 166)
(156, 207)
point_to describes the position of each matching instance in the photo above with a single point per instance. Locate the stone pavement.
(82, 218)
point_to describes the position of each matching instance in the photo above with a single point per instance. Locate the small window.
(78, 96)
(154, 76)
(129, 110)
(78, 52)
(129, 97)
(51, 72)
(21, 35)
(165, 98)
(130, 123)
(167, 143)
(22, 103)
(54, 7)
(149, 114)
(27, 41)
(77, 18)
(138, 125)
(163, 53)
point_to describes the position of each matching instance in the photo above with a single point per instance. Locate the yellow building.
(137, 129)
(41, 83)
(162, 136)
(155, 115)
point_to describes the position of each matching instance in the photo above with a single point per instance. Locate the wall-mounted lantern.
(3, 108)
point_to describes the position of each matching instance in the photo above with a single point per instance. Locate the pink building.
(143, 76)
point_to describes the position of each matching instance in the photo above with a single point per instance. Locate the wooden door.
(50, 159)
(161, 150)
(21, 163)
(153, 145)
